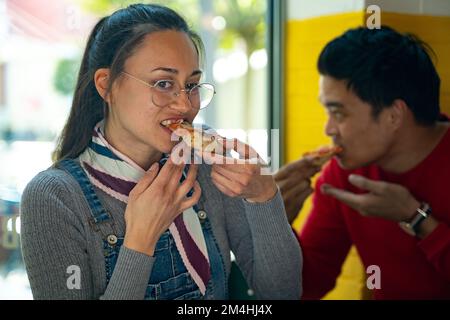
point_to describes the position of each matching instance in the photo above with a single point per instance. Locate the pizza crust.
(200, 140)
(322, 155)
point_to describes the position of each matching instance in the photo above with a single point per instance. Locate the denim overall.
(169, 278)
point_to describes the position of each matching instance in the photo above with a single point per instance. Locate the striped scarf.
(116, 174)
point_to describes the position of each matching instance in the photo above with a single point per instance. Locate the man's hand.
(294, 182)
(384, 200)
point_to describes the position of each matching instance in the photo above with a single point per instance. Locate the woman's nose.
(181, 101)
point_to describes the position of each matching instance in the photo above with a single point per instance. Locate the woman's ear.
(101, 80)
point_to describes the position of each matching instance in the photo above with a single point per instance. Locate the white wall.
(303, 9)
(424, 7)
(32, 103)
(3, 20)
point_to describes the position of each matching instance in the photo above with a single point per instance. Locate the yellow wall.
(305, 117)
(436, 32)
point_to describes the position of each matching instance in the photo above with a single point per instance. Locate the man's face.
(352, 126)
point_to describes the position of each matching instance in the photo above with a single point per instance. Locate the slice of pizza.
(196, 138)
(321, 155)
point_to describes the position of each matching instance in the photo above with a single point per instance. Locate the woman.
(115, 218)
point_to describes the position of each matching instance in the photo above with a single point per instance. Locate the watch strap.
(423, 212)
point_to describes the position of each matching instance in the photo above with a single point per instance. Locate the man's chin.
(346, 165)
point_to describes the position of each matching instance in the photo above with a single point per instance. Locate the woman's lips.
(166, 129)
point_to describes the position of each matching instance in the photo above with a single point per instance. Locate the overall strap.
(98, 213)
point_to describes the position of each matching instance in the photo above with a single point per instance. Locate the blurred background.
(261, 55)
(41, 44)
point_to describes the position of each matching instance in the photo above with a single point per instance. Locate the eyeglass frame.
(175, 94)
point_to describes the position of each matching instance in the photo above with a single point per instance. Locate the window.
(2, 85)
(39, 87)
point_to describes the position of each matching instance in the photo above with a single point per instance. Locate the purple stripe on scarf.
(195, 256)
(118, 185)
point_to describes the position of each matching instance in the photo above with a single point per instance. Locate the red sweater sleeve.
(437, 249)
(325, 242)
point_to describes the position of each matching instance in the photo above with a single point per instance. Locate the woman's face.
(134, 121)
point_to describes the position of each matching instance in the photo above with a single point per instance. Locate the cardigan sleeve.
(265, 247)
(54, 242)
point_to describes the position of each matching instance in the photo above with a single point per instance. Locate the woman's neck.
(142, 154)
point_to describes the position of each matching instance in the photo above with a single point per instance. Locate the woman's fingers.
(170, 175)
(226, 186)
(244, 150)
(188, 183)
(193, 199)
(225, 190)
(240, 178)
(174, 181)
(247, 155)
(145, 181)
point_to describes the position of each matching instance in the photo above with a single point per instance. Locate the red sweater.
(410, 268)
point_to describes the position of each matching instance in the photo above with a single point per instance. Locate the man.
(388, 191)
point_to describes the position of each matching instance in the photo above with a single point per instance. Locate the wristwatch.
(413, 227)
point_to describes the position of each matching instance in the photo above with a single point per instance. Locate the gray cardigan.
(56, 235)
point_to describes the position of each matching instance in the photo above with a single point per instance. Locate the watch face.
(412, 228)
(407, 228)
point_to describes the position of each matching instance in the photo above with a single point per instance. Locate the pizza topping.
(323, 154)
(195, 138)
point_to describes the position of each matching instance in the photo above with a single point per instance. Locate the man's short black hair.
(382, 65)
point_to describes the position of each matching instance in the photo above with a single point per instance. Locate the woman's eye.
(164, 85)
(191, 86)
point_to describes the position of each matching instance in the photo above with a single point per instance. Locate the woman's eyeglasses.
(164, 92)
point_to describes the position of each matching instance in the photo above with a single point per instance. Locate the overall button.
(202, 215)
(112, 239)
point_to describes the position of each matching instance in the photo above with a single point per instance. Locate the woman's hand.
(155, 202)
(241, 177)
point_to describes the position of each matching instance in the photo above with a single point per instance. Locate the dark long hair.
(112, 41)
